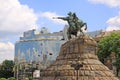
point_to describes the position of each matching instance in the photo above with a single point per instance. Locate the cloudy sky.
(17, 16)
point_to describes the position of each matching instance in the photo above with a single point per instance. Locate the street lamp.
(77, 66)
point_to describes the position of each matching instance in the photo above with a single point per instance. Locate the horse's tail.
(85, 26)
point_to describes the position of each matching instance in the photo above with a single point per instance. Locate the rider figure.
(75, 24)
(77, 21)
(71, 20)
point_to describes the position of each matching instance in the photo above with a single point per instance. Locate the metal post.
(77, 66)
(77, 75)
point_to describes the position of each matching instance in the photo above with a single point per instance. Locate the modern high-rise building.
(36, 46)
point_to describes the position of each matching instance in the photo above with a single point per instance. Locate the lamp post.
(77, 66)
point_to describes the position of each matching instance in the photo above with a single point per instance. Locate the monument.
(78, 60)
(75, 24)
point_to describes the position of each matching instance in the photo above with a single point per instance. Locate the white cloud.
(111, 3)
(113, 23)
(15, 17)
(50, 15)
(6, 51)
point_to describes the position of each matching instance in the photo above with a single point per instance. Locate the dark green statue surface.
(75, 24)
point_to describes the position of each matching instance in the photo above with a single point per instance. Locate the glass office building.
(36, 46)
(36, 50)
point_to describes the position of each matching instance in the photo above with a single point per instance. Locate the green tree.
(6, 69)
(117, 64)
(12, 78)
(109, 45)
(2, 78)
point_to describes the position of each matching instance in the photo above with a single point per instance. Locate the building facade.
(34, 45)
(39, 48)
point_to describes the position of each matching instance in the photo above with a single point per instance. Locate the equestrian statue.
(75, 24)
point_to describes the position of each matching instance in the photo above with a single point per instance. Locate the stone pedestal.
(78, 51)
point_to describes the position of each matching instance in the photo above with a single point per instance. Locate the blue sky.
(95, 15)
(18, 16)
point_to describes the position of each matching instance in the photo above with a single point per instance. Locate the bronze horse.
(74, 31)
(78, 24)
(75, 24)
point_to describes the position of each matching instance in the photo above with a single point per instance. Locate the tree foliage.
(2, 78)
(12, 78)
(109, 45)
(6, 69)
